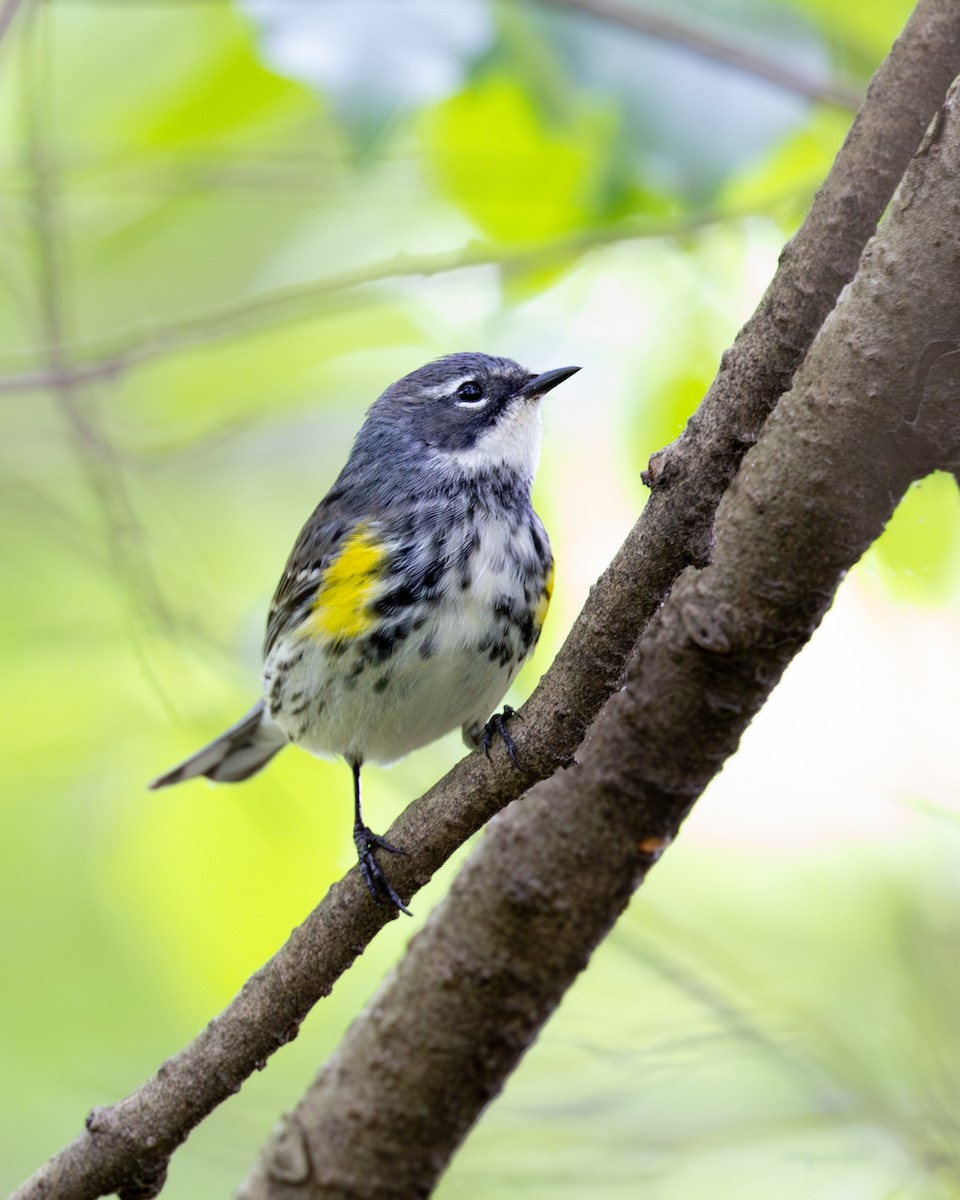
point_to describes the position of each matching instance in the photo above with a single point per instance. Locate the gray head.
(466, 411)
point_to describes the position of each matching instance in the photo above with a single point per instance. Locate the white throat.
(513, 442)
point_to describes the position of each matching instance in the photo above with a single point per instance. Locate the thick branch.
(873, 407)
(129, 1144)
(690, 476)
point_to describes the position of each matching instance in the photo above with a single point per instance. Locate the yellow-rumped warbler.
(415, 591)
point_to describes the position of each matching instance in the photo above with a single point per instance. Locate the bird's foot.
(373, 874)
(498, 724)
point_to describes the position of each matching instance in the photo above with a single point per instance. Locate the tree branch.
(107, 359)
(7, 12)
(873, 407)
(126, 1147)
(657, 24)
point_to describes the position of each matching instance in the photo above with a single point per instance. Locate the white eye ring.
(466, 401)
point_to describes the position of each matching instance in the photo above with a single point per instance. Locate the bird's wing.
(334, 527)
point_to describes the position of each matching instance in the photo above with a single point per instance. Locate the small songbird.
(415, 591)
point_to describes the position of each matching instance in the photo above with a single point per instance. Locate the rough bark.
(875, 406)
(126, 1147)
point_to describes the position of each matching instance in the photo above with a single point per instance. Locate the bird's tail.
(235, 755)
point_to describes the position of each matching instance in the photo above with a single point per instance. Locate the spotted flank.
(415, 625)
(343, 608)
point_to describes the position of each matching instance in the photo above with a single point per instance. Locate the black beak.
(540, 384)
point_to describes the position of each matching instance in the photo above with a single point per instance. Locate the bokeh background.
(224, 228)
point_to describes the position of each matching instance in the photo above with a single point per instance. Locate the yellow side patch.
(543, 606)
(341, 609)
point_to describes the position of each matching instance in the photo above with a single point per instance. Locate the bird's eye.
(470, 392)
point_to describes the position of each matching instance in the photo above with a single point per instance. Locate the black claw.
(498, 724)
(373, 874)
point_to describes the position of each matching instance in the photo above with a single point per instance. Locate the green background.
(215, 251)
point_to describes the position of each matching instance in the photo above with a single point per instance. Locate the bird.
(415, 591)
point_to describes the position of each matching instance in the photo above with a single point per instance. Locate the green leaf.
(519, 178)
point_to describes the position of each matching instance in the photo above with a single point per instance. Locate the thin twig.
(707, 45)
(92, 447)
(303, 301)
(7, 13)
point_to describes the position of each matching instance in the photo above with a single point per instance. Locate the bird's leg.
(498, 724)
(366, 840)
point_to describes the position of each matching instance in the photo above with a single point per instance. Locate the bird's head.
(471, 412)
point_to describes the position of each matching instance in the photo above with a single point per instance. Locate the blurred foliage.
(918, 556)
(223, 230)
